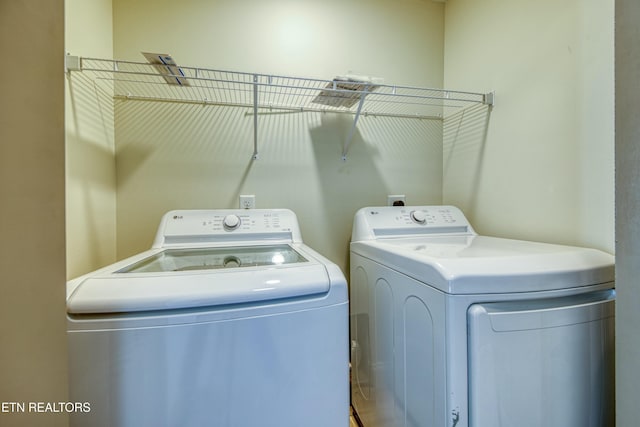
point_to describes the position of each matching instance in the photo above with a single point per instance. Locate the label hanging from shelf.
(167, 68)
(345, 91)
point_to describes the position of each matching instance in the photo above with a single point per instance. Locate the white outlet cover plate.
(395, 197)
(247, 201)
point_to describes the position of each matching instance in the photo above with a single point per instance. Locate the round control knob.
(419, 216)
(231, 222)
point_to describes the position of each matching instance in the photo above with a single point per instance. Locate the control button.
(231, 222)
(419, 216)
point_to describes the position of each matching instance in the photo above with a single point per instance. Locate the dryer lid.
(481, 264)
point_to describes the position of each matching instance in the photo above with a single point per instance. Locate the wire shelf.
(153, 82)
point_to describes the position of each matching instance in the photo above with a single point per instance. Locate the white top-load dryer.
(453, 329)
(229, 320)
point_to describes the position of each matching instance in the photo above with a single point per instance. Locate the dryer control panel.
(232, 225)
(390, 221)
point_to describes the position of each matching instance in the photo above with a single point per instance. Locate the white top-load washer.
(229, 320)
(453, 329)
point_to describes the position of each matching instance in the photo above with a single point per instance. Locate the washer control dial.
(419, 216)
(231, 222)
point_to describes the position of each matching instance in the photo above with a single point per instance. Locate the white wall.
(33, 363)
(627, 212)
(539, 166)
(90, 152)
(172, 156)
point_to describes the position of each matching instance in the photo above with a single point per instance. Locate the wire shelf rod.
(277, 107)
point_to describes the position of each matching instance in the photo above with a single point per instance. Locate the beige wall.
(33, 364)
(188, 156)
(627, 212)
(541, 167)
(90, 154)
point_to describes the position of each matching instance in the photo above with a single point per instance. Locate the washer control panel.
(194, 226)
(374, 222)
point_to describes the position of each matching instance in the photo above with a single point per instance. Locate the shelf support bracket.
(489, 98)
(72, 63)
(255, 117)
(347, 142)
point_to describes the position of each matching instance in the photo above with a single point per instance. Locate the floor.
(352, 422)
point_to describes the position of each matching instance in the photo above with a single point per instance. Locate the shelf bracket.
(347, 142)
(489, 98)
(255, 117)
(72, 63)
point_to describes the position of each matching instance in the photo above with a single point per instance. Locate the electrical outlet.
(395, 200)
(247, 201)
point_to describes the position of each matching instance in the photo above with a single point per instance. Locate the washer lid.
(198, 277)
(190, 259)
(481, 264)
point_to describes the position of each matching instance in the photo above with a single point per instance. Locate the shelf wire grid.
(144, 81)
